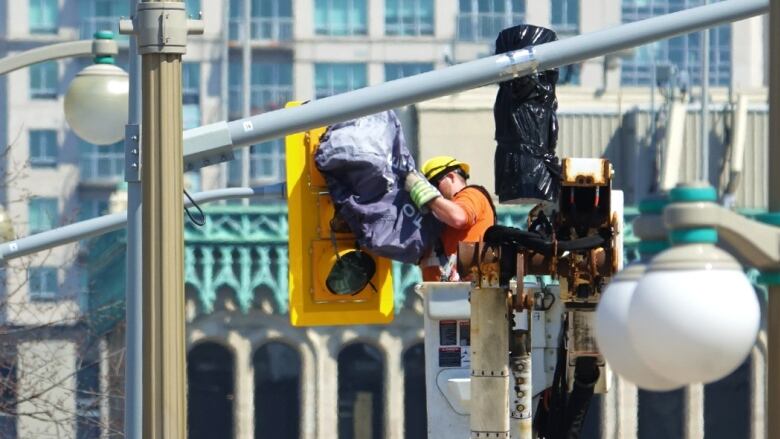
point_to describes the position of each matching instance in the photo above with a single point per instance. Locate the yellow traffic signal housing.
(331, 282)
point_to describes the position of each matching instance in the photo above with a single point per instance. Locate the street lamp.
(612, 319)
(96, 101)
(694, 315)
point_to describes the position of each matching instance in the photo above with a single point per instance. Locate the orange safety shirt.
(479, 211)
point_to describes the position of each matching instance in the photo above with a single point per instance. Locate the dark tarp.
(365, 162)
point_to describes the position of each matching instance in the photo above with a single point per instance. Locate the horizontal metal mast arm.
(51, 52)
(108, 223)
(214, 143)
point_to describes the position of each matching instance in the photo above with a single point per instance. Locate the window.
(340, 17)
(569, 75)
(7, 396)
(102, 15)
(210, 392)
(42, 282)
(415, 419)
(565, 16)
(277, 392)
(331, 79)
(682, 52)
(92, 208)
(43, 214)
(270, 87)
(88, 393)
(361, 392)
(482, 20)
(44, 16)
(409, 17)
(44, 78)
(266, 164)
(190, 95)
(272, 20)
(193, 8)
(43, 148)
(236, 19)
(101, 164)
(402, 70)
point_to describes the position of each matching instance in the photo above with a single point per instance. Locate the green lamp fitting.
(694, 193)
(103, 59)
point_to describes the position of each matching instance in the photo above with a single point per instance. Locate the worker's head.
(447, 174)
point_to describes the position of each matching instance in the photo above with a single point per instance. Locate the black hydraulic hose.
(536, 242)
(586, 374)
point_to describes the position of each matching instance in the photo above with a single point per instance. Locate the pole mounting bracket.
(161, 27)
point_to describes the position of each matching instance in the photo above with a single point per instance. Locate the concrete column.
(758, 389)
(608, 15)
(538, 13)
(328, 383)
(445, 19)
(244, 399)
(376, 19)
(626, 403)
(309, 391)
(747, 53)
(694, 412)
(394, 384)
(303, 19)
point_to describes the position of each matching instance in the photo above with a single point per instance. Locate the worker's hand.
(421, 190)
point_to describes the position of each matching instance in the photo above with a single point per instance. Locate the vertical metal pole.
(133, 293)
(773, 335)
(246, 84)
(165, 374)
(489, 363)
(705, 104)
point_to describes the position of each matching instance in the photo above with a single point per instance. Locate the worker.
(466, 211)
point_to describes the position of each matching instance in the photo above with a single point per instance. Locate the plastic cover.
(526, 167)
(365, 161)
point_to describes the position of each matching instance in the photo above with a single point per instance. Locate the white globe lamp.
(694, 316)
(613, 337)
(96, 101)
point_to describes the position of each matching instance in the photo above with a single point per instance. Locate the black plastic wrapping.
(526, 167)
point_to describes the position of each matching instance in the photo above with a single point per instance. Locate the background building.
(254, 57)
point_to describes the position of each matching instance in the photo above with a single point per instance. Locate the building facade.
(254, 57)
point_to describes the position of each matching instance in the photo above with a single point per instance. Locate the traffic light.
(332, 282)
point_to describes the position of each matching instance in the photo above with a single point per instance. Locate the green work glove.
(421, 190)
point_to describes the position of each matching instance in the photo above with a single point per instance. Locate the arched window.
(210, 392)
(361, 392)
(415, 418)
(727, 404)
(277, 391)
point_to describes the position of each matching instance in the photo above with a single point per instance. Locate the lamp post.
(161, 30)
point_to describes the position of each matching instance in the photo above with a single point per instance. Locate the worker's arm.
(449, 212)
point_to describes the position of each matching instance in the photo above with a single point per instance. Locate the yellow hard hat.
(441, 165)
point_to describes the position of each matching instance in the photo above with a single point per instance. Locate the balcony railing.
(485, 26)
(263, 29)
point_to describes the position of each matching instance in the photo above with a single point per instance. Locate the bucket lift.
(495, 346)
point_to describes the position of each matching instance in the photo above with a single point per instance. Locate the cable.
(202, 221)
